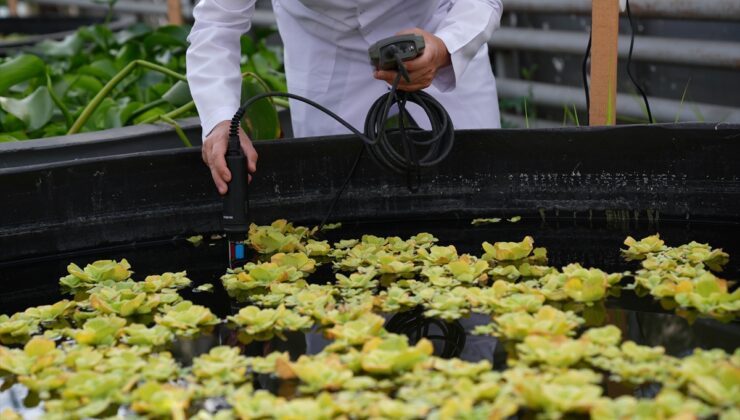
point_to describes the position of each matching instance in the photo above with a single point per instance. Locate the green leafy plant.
(97, 272)
(96, 79)
(98, 331)
(546, 321)
(187, 318)
(222, 363)
(393, 354)
(156, 400)
(508, 251)
(117, 359)
(140, 335)
(263, 324)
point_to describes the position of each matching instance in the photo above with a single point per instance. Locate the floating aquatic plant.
(558, 392)
(259, 276)
(141, 335)
(712, 376)
(546, 321)
(639, 249)
(19, 327)
(364, 279)
(164, 282)
(684, 275)
(357, 331)
(155, 399)
(280, 236)
(187, 318)
(224, 364)
(508, 251)
(263, 324)
(578, 284)
(116, 361)
(205, 287)
(393, 354)
(485, 221)
(316, 248)
(316, 374)
(438, 255)
(98, 331)
(96, 272)
(668, 404)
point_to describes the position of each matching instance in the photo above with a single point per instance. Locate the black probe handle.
(235, 218)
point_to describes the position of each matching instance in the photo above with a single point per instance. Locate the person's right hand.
(214, 151)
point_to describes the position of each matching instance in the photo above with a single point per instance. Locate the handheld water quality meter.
(235, 217)
(385, 53)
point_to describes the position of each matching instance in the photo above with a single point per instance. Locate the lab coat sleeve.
(213, 58)
(466, 27)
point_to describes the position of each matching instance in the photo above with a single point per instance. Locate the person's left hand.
(423, 68)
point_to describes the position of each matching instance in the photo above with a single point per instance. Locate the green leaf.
(99, 119)
(5, 138)
(101, 330)
(10, 124)
(129, 52)
(151, 113)
(55, 129)
(261, 119)
(166, 37)
(35, 110)
(126, 111)
(273, 55)
(132, 34)
(100, 35)
(265, 69)
(99, 271)
(485, 221)
(67, 47)
(178, 95)
(248, 46)
(103, 69)
(83, 82)
(19, 69)
(260, 33)
(112, 114)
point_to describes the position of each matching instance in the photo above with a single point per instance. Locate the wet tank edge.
(652, 172)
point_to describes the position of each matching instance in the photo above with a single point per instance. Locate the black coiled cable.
(413, 154)
(413, 324)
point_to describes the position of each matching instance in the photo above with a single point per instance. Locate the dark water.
(593, 243)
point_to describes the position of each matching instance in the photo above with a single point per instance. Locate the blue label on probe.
(239, 251)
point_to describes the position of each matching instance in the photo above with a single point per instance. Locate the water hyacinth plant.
(96, 79)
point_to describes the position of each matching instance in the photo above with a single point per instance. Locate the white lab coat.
(326, 57)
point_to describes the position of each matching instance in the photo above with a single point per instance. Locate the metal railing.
(670, 9)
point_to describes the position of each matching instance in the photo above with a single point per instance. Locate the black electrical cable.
(415, 325)
(629, 64)
(584, 69)
(375, 138)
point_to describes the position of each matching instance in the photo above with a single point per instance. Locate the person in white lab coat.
(326, 60)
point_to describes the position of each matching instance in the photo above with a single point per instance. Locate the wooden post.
(174, 12)
(604, 36)
(13, 7)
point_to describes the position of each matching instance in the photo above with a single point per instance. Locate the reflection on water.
(640, 319)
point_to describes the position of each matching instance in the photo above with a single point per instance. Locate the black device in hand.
(384, 54)
(235, 217)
